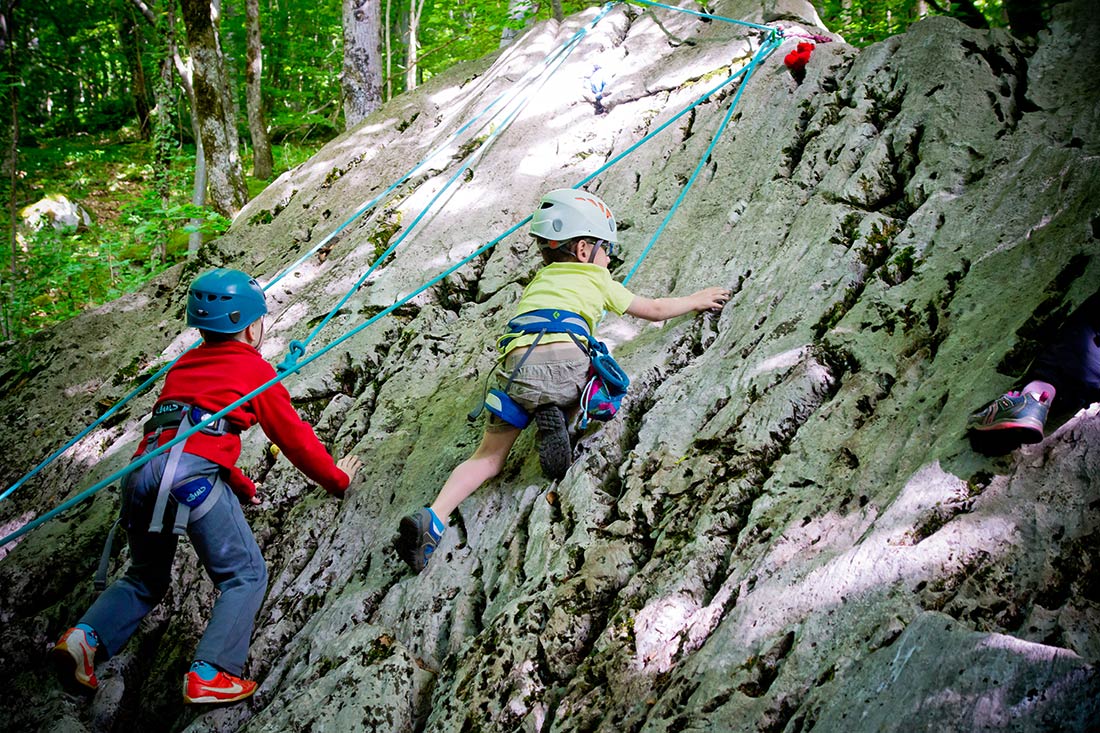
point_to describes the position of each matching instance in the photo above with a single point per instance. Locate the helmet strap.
(595, 249)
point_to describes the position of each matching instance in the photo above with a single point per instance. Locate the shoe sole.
(409, 546)
(555, 453)
(211, 699)
(1028, 430)
(65, 666)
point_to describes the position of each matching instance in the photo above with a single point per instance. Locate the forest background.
(160, 118)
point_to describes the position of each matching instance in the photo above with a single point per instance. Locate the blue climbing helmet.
(224, 301)
(566, 213)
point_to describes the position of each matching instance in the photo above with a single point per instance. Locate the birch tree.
(412, 47)
(361, 78)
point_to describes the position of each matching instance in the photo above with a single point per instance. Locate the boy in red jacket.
(191, 489)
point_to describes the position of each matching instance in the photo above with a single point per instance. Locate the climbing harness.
(177, 503)
(774, 39)
(191, 497)
(600, 396)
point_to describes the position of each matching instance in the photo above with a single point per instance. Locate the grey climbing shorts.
(552, 375)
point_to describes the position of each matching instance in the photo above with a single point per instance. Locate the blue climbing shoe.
(1021, 414)
(1007, 423)
(420, 535)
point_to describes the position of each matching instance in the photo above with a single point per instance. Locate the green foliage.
(136, 234)
(863, 22)
(61, 274)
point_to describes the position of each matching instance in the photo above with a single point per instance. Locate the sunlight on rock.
(884, 554)
(539, 161)
(13, 525)
(136, 302)
(780, 361)
(86, 388)
(658, 630)
(290, 319)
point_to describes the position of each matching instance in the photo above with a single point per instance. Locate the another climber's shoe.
(555, 453)
(1021, 413)
(73, 658)
(205, 684)
(420, 535)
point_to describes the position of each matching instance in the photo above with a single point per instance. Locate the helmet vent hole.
(235, 316)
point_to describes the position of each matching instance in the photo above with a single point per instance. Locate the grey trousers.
(228, 551)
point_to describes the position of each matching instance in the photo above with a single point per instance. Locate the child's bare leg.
(486, 462)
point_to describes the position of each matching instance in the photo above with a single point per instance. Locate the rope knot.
(296, 350)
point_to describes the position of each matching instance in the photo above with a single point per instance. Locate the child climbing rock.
(1067, 365)
(195, 487)
(543, 373)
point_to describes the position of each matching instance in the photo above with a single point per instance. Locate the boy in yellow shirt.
(542, 373)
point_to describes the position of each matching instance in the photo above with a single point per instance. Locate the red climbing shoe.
(73, 659)
(205, 684)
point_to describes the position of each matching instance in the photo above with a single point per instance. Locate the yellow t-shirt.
(579, 287)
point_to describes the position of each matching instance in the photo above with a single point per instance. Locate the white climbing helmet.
(566, 213)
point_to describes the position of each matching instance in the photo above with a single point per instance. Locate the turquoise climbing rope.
(769, 46)
(509, 96)
(698, 14)
(297, 349)
(766, 50)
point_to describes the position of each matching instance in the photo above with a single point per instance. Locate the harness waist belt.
(193, 497)
(170, 413)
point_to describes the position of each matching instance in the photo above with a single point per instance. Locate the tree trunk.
(416, 10)
(559, 13)
(1025, 17)
(278, 15)
(389, 53)
(361, 79)
(166, 29)
(262, 162)
(10, 165)
(129, 36)
(163, 129)
(213, 112)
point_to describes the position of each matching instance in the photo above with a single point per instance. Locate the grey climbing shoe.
(555, 453)
(418, 539)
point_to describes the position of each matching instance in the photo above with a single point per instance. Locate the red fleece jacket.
(213, 376)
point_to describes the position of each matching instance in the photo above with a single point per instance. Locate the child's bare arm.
(660, 309)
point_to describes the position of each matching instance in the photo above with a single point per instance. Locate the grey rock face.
(784, 531)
